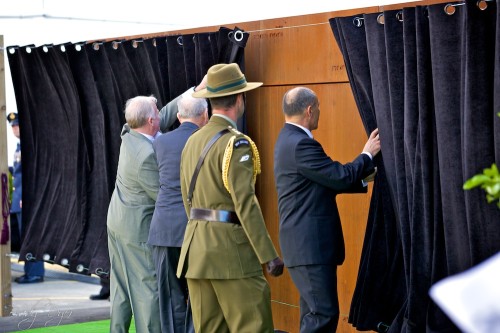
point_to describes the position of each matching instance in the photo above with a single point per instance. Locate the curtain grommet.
(381, 19)
(238, 36)
(358, 21)
(399, 16)
(482, 4)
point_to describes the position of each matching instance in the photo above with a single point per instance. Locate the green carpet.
(101, 326)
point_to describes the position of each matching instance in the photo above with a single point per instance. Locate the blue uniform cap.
(13, 119)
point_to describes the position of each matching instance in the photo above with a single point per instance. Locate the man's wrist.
(369, 154)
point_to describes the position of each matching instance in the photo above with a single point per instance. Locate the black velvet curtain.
(70, 100)
(429, 78)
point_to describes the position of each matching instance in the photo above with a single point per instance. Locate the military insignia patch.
(244, 158)
(241, 142)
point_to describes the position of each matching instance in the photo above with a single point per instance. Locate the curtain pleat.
(431, 81)
(70, 101)
(204, 56)
(96, 184)
(188, 51)
(144, 69)
(176, 67)
(54, 100)
(379, 287)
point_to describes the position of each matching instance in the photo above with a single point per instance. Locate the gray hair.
(191, 107)
(296, 100)
(139, 109)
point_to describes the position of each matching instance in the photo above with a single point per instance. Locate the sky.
(39, 22)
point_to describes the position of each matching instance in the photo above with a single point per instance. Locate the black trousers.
(15, 232)
(319, 305)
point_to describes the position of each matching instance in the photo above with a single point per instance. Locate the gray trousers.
(319, 305)
(175, 311)
(133, 286)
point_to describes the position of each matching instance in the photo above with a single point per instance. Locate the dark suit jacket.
(307, 181)
(169, 219)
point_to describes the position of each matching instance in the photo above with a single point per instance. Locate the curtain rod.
(449, 9)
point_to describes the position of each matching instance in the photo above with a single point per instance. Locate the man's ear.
(309, 111)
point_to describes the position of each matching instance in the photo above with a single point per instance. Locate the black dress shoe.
(29, 279)
(99, 297)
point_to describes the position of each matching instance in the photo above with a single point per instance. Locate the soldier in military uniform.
(226, 239)
(34, 271)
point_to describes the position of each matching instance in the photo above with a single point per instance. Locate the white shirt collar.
(150, 138)
(308, 132)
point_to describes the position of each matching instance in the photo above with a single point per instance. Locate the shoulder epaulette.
(235, 143)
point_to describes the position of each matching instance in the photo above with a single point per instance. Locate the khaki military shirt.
(218, 250)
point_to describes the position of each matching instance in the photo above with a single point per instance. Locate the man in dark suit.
(34, 271)
(310, 233)
(169, 218)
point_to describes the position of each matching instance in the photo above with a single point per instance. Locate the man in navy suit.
(169, 219)
(310, 233)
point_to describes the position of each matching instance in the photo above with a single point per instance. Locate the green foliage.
(489, 181)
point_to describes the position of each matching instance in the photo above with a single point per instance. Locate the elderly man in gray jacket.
(133, 280)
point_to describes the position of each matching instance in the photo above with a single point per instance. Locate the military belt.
(214, 215)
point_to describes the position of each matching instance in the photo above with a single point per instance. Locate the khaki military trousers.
(237, 306)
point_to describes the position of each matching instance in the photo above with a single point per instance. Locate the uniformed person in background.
(34, 271)
(226, 239)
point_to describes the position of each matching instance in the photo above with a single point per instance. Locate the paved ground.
(63, 298)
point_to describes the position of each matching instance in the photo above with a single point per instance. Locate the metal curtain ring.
(399, 16)
(449, 9)
(179, 40)
(99, 271)
(238, 36)
(358, 21)
(482, 4)
(381, 19)
(80, 268)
